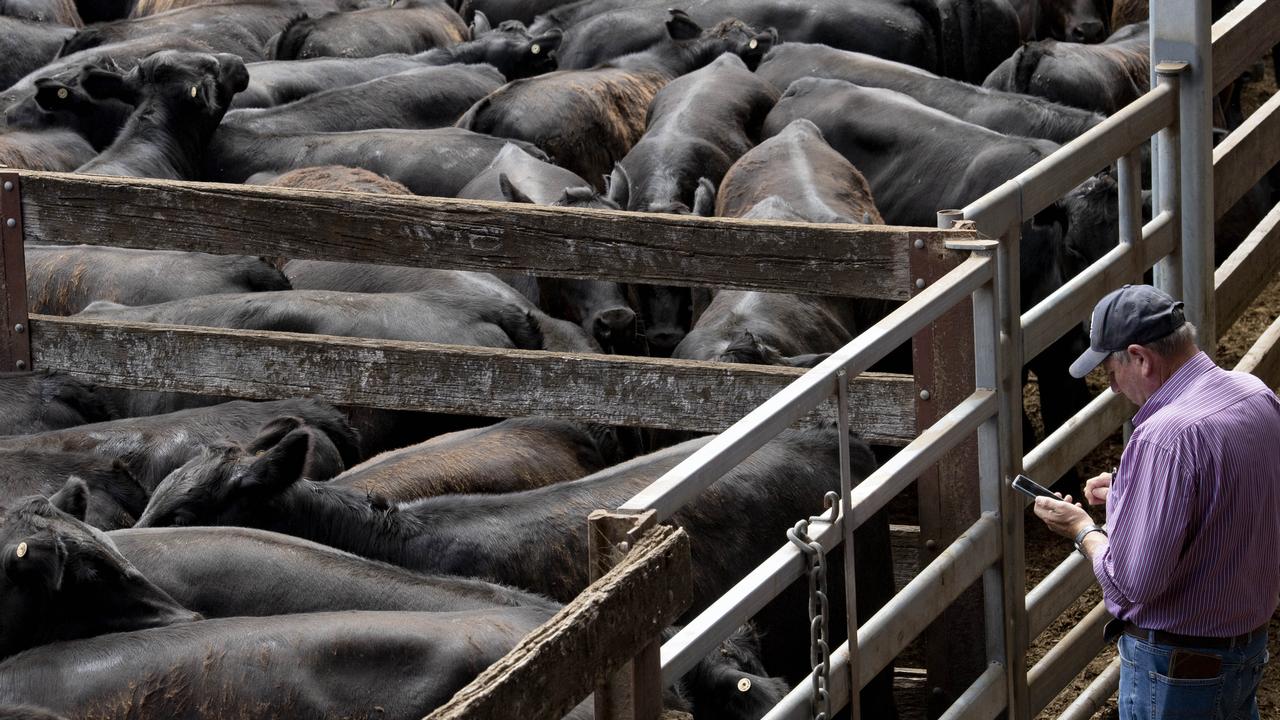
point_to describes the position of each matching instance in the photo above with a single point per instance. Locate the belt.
(1160, 637)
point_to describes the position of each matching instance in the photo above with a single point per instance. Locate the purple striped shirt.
(1194, 511)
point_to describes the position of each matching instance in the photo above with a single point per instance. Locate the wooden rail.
(1245, 155)
(1241, 37)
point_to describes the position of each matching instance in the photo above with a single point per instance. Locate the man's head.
(1140, 337)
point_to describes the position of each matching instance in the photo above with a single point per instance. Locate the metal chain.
(819, 615)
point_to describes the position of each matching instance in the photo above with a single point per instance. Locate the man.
(1190, 559)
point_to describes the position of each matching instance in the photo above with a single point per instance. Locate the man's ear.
(36, 562)
(73, 498)
(279, 466)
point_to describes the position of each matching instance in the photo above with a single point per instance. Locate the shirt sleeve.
(1147, 525)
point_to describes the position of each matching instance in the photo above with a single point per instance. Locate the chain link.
(819, 610)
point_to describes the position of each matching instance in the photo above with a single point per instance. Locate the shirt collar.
(1173, 387)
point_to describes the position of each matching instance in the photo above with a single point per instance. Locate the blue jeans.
(1147, 693)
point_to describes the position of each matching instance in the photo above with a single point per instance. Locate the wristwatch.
(1080, 536)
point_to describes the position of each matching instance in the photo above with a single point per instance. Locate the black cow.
(905, 30)
(599, 306)
(115, 498)
(544, 535)
(53, 12)
(151, 447)
(1005, 112)
(977, 35)
(424, 97)
(64, 279)
(26, 46)
(62, 582)
(509, 48)
(180, 98)
(587, 120)
(739, 667)
(412, 26)
(51, 150)
(330, 177)
(1102, 78)
(1081, 21)
(35, 402)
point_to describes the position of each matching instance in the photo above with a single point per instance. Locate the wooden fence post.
(15, 342)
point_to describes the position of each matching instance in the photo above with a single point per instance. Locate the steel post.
(1168, 188)
(15, 335)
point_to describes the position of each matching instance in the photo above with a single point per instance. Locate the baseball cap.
(1132, 315)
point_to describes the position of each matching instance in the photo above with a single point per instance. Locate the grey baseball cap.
(1132, 315)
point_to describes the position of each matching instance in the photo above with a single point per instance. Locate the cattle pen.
(955, 420)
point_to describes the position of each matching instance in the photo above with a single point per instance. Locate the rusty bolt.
(19, 328)
(11, 223)
(919, 244)
(925, 394)
(920, 283)
(930, 545)
(21, 364)
(8, 186)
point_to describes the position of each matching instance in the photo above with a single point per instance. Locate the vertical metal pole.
(1181, 31)
(846, 530)
(1168, 272)
(1129, 170)
(15, 338)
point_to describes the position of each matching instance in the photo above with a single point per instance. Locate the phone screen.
(1031, 487)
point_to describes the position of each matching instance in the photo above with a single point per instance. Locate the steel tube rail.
(1241, 37)
(1129, 191)
(702, 634)
(1071, 304)
(1057, 591)
(1078, 436)
(687, 480)
(1167, 182)
(1249, 268)
(904, 617)
(1065, 660)
(1094, 697)
(1245, 155)
(983, 700)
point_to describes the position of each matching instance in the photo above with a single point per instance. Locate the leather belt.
(1161, 637)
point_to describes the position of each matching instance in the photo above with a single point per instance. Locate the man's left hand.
(1062, 516)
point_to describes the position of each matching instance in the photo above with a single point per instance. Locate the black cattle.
(977, 35)
(33, 402)
(509, 48)
(905, 30)
(52, 12)
(750, 692)
(599, 306)
(1005, 112)
(500, 10)
(50, 150)
(151, 447)
(64, 279)
(392, 665)
(544, 530)
(424, 97)
(1080, 21)
(180, 98)
(331, 177)
(587, 120)
(412, 26)
(62, 582)
(115, 499)
(26, 46)
(1102, 78)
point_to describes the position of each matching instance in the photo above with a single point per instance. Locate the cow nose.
(663, 341)
(1088, 31)
(614, 324)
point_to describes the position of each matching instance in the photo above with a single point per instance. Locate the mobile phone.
(1031, 487)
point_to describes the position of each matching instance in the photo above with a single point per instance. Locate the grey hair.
(1168, 346)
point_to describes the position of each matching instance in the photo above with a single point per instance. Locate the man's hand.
(1062, 516)
(1097, 489)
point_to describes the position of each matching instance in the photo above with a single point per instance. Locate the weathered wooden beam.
(1242, 37)
(553, 668)
(849, 260)
(671, 394)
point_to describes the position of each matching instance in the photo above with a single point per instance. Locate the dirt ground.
(1045, 551)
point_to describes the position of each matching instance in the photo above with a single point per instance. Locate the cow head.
(730, 682)
(190, 89)
(698, 47)
(1081, 21)
(748, 349)
(511, 48)
(64, 579)
(228, 484)
(63, 102)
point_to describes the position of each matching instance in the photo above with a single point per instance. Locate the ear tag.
(194, 91)
(62, 93)
(259, 453)
(535, 48)
(744, 684)
(22, 550)
(752, 45)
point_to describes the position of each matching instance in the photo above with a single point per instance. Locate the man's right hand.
(1096, 489)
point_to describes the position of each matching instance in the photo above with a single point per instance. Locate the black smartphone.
(1033, 488)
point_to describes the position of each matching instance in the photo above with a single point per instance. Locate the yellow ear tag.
(752, 45)
(22, 550)
(744, 684)
(194, 91)
(535, 48)
(62, 93)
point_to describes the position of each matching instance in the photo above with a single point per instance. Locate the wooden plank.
(851, 260)
(1246, 155)
(1242, 37)
(905, 543)
(1248, 271)
(557, 665)
(671, 394)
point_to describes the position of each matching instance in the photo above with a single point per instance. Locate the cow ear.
(279, 466)
(682, 27)
(104, 84)
(618, 187)
(1055, 214)
(704, 198)
(273, 431)
(808, 360)
(51, 94)
(480, 25)
(547, 41)
(510, 192)
(73, 498)
(233, 76)
(36, 562)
